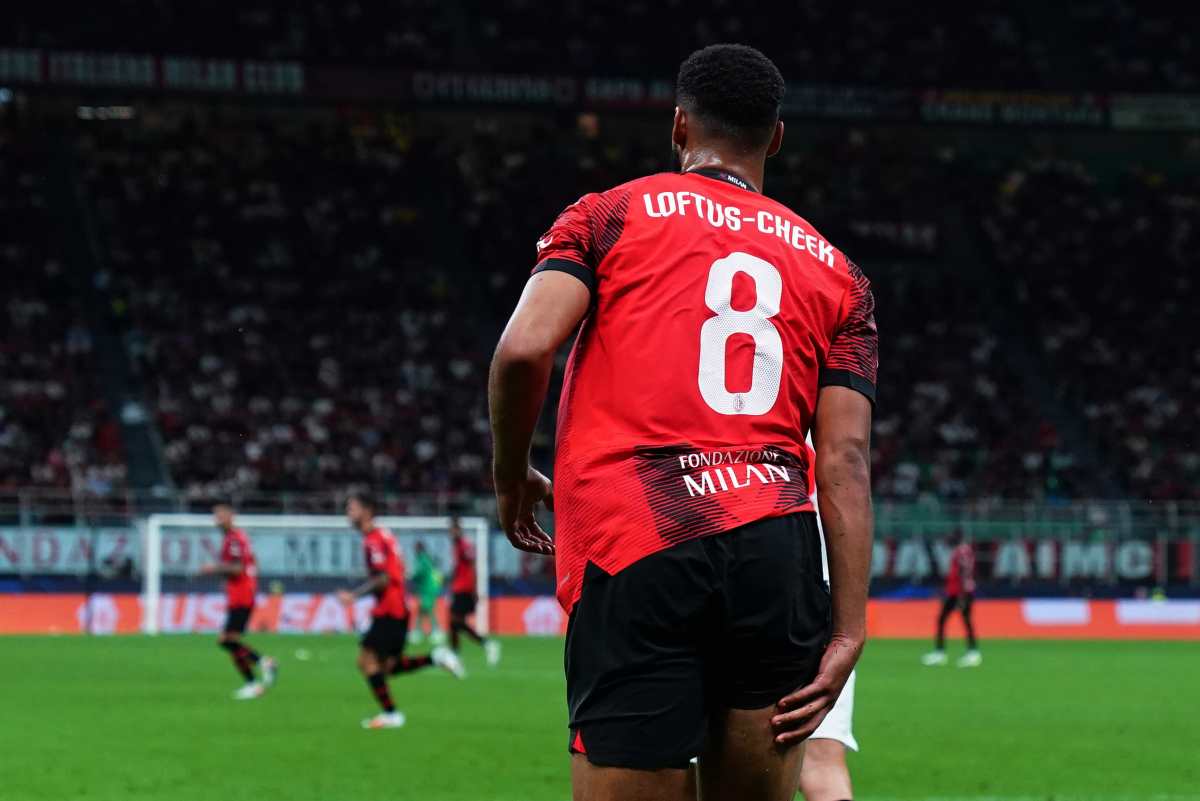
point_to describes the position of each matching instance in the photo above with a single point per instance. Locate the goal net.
(301, 558)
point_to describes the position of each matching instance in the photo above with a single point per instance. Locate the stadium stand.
(55, 429)
(1091, 256)
(256, 387)
(988, 45)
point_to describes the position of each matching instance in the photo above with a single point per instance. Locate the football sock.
(465, 629)
(243, 658)
(379, 687)
(404, 664)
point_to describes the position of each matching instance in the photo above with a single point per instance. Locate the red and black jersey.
(463, 579)
(961, 576)
(241, 586)
(382, 555)
(717, 315)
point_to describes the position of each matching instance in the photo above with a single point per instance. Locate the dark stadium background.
(265, 253)
(262, 251)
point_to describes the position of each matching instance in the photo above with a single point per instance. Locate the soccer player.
(238, 566)
(715, 329)
(959, 594)
(382, 649)
(426, 582)
(462, 595)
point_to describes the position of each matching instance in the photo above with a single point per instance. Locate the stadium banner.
(66, 68)
(1014, 108)
(322, 613)
(298, 554)
(849, 103)
(1156, 112)
(166, 73)
(1013, 561)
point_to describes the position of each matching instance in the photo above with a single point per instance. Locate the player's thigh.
(385, 639)
(237, 618)
(462, 605)
(777, 612)
(635, 662)
(824, 775)
(741, 761)
(596, 783)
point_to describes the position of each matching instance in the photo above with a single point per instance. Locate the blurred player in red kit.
(238, 566)
(381, 653)
(463, 596)
(960, 595)
(716, 329)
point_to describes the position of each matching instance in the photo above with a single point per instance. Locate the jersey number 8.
(755, 322)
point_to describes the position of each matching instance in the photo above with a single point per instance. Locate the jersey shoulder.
(842, 266)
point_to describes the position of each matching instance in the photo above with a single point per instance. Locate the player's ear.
(776, 140)
(679, 129)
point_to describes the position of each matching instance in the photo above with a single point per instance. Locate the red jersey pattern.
(383, 556)
(464, 566)
(717, 314)
(961, 576)
(236, 551)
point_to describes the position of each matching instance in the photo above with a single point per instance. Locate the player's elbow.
(523, 349)
(845, 461)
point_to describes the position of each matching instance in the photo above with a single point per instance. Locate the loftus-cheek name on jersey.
(672, 204)
(731, 470)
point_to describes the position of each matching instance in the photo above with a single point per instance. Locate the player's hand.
(346, 597)
(799, 714)
(207, 570)
(516, 502)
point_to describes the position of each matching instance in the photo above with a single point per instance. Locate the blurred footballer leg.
(741, 761)
(972, 643)
(948, 606)
(594, 783)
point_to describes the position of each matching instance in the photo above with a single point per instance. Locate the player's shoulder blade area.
(724, 208)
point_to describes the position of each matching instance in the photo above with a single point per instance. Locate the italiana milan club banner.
(318, 613)
(168, 73)
(149, 72)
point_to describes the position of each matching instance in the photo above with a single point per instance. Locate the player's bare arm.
(842, 435)
(550, 308)
(374, 584)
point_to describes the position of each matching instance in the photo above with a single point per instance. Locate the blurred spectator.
(55, 431)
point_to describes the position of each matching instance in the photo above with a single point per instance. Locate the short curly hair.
(735, 90)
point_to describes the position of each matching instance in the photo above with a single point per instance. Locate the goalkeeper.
(426, 582)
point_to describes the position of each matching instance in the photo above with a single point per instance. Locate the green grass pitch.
(140, 719)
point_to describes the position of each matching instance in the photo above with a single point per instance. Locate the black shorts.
(737, 620)
(387, 636)
(463, 603)
(237, 618)
(962, 602)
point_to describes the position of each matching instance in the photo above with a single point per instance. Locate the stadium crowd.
(1091, 257)
(55, 430)
(307, 329)
(293, 326)
(1113, 44)
(316, 328)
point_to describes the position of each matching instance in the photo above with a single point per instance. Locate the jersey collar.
(723, 175)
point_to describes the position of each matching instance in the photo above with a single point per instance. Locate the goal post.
(295, 548)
